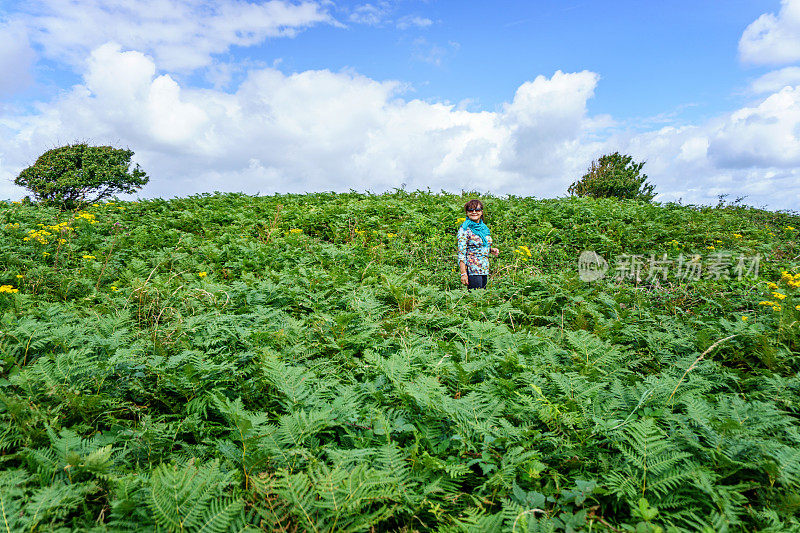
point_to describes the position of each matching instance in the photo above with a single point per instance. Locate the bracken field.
(311, 363)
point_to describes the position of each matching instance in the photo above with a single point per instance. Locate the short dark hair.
(473, 204)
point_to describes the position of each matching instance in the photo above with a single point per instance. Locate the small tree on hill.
(77, 174)
(614, 175)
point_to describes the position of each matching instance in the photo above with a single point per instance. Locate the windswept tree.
(78, 174)
(614, 175)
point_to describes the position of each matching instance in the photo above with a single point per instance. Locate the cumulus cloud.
(776, 80)
(760, 136)
(773, 39)
(181, 35)
(753, 151)
(16, 59)
(322, 130)
(313, 130)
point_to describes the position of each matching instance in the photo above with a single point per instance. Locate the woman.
(474, 247)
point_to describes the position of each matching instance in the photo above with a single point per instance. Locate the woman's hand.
(494, 251)
(464, 278)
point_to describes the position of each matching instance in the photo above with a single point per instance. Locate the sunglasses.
(474, 210)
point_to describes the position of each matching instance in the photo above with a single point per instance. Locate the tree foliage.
(78, 174)
(614, 176)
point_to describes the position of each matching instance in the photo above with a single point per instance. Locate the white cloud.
(772, 39)
(776, 80)
(314, 130)
(412, 21)
(16, 59)
(371, 14)
(762, 136)
(753, 151)
(321, 130)
(435, 54)
(182, 35)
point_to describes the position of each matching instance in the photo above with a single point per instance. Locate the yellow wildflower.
(20, 276)
(113, 288)
(797, 307)
(790, 228)
(89, 257)
(460, 220)
(766, 303)
(202, 274)
(295, 230)
(744, 319)
(776, 307)
(778, 295)
(771, 233)
(391, 235)
(772, 285)
(737, 235)
(8, 288)
(710, 247)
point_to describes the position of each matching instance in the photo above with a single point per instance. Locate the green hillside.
(312, 363)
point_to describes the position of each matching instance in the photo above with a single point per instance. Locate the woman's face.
(475, 215)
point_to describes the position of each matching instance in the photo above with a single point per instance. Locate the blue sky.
(506, 97)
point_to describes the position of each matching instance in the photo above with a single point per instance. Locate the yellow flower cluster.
(89, 257)
(39, 236)
(792, 281)
(790, 228)
(15, 225)
(391, 235)
(202, 274)
(778, 295)
(524, 251)
(90, 218)
(295, 230)
(775, 305)
(8, 288)
(737, 235)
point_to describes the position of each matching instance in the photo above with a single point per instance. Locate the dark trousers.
(477, 282)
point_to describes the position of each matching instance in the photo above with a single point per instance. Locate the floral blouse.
(473, 253)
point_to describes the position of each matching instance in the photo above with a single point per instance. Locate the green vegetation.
(311, 363)
(614, 176)
(75, 175)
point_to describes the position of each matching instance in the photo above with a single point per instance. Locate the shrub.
(616, 176)
(77, 174)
